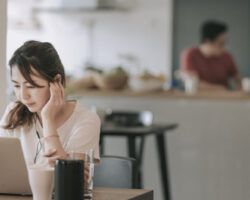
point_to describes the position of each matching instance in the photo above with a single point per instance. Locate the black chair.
(137, 126)
(114, 172)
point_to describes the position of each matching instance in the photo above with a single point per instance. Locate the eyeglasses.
(39, 147)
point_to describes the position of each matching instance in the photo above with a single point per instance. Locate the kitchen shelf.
(67, 10)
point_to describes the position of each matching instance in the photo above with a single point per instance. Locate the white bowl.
(138, 84)
(246, 85)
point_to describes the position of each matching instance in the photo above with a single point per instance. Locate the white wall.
(145, 32)
(3, 82)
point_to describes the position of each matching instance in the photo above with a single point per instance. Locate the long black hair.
(42, 57)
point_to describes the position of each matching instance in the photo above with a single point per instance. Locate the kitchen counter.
(208, 153)
(170, 94)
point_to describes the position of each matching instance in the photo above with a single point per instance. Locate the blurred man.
(210, 61)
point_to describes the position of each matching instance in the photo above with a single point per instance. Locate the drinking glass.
(88, 158)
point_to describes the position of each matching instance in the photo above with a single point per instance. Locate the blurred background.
(100, 35)
(126, 55)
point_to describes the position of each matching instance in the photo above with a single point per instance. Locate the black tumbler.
(69, 180)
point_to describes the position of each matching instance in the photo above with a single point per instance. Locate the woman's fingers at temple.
(55, 103)
(54, 94)
(57, 92)
(62, 90)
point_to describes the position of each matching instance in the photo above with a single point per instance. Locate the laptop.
(13, 171)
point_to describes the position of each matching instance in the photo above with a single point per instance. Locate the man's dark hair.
(210, 30)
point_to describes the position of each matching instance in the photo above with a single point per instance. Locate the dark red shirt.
(216, 70)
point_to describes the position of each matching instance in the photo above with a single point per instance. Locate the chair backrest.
(114, 172)
(129, 118)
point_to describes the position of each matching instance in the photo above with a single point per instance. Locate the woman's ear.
(58, 78)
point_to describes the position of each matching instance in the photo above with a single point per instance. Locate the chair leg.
(140, 159)
(132, 154)
(161, 146)
(132, 147)
(101, 145)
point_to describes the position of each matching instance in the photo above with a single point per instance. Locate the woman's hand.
(51, 157)
(86, 174)
(56, 102)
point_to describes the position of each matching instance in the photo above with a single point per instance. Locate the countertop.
(170, 94)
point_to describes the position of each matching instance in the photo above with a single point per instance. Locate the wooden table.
(105, 194)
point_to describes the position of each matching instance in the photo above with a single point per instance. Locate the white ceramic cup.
(41, 180)
(246, 85)
(191, 85)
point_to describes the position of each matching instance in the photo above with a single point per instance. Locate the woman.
(48, 126)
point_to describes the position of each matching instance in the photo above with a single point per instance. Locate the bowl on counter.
(113, 80)
(139, 84)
